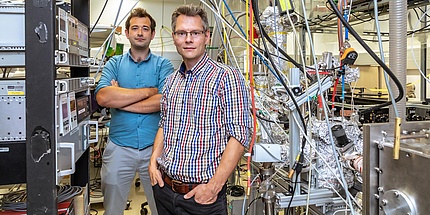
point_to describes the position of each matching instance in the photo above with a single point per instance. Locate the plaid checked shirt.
(200, 110)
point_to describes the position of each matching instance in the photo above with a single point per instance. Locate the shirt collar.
(146, 59)
(196, 68)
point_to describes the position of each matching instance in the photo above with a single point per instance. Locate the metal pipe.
(397, 50)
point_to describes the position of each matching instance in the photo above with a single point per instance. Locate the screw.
(380, 189)
(396, 194)
(378, 170)
(376, 196)
(384, 202)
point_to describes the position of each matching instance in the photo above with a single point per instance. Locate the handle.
(96, 123)
(71, 146)
(62, 83)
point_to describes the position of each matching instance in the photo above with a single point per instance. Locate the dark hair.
(140, 12)
(190, 10)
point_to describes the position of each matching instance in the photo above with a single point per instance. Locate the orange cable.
(254, 111)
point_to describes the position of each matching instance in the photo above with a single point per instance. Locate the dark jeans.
(171, 203)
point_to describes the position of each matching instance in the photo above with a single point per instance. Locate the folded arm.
(149, 105)
(118, 97)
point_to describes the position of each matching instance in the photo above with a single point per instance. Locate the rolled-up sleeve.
(236, 102)
(165, 71)
(109, 73)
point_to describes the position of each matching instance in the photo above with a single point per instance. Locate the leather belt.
(178, 186)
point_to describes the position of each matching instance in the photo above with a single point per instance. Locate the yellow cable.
(161, 41)
(247, 37)
(224, 36)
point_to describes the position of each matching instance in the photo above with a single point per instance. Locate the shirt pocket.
(149, 79)
(206, 110)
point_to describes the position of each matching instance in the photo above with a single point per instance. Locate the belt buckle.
(174, 184)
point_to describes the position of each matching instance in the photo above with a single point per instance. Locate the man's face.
(140, 34)
(190, 38)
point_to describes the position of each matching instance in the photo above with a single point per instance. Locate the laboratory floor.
(136, 198)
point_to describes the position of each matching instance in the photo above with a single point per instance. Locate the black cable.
(368, 40)
(269, 120)
(360, 19)
(249, 205)
(100, 15)
(418, 16)
(257, 19)
(292, 195)
(235, 190)
(423, 11)
(374, 56)
(285, 59)
(16, 201)
(265, 35)
(371, 13)
(415, 31)
(232, 27)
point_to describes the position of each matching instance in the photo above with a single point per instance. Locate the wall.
(160, 10)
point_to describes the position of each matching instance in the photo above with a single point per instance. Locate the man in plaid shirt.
(205, 124)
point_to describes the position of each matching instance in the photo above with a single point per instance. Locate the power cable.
(299, 163)
(98, 18)
(374, 56)
(257, 18)
(339, 166)
(249, 205)
(290, 59)
(381, 51)
(16, 200)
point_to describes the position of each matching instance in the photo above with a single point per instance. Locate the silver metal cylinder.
(398, 55)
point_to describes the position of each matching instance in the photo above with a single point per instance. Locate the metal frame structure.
(40, 35)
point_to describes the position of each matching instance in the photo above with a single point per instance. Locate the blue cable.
(234, 18)
(343, 88)
(345, 16)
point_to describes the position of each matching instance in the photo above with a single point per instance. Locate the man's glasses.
(184, 34)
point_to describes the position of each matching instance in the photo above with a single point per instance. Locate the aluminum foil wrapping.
(277, 32)
(351, 74)
(325, 161)
(270, 109)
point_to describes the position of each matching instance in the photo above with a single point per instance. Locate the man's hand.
(203, 194)
(155, 175)
(114, 83)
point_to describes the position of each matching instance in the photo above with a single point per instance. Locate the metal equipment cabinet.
(40, 35)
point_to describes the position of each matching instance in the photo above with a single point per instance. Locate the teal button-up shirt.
(129, 129)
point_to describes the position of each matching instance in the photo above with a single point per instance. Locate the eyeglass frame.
(186, 33)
